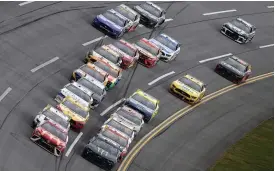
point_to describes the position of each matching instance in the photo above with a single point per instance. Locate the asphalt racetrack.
(34, 33)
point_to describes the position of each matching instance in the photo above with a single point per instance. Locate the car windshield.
(120, 127)
(93, 73)
(152, 10)
(241, 25)
(166, 42)
(75, 108)
(118, 139)
(79, 93)
(56, 118)
(191, 84)
(129, 116)
(128, 14)
(144, 101)
(91, 86)
(55, 131)
(235, 64)
(129, 51)
(115, 19)
(107, 55)
(105, 146)
(106, 69)
(150, 49)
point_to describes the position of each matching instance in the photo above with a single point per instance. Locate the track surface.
(35, 33)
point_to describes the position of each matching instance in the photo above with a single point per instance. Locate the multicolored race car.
(188, 88)
(144, 103)
(149, 53)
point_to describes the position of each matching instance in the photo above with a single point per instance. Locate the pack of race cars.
(103, 70)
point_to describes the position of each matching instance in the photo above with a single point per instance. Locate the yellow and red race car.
(188, 88)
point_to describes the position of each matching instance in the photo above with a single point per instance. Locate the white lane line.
(270, 6)
(214, 58)
(95, 40)
(161, 77)
(110, 107)
(265, 46)
(169, 19)
(6, 92)
(219, 12)
(25, 3)
(44, 64)
(73, 144)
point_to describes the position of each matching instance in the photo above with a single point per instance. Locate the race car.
(112, 23)
(130, 14)
(188, 88)
(77, 92)
(149, 53)
(78, 111)
(50, 137)
(122, 126)
(234, 69)
(115, 137)
(54, 115)
(96, 87)
(170, 48)
(101, 153)
(85, 70)
(151, 15)
(239, 30)
(144, 103)
(129, 53)
(104, 52)
(132, 117)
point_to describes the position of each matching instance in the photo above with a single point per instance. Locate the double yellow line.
(136, 149)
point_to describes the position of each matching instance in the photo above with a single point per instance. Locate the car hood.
(109, 23)
(236, 29)
(50, 137)
(231, 68)
(161, 46)
(146, 13)
(101, 152)
(140, 107)
(187, 89)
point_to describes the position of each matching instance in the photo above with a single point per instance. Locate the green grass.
(254, 152)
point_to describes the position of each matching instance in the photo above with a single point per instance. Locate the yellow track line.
(129, 158)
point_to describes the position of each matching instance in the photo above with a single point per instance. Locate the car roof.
(239, 60)
(194, 79)
(119, 15)
(128, 44)
(154, 5)
(149, 43)
(77, 103)
(128, 9)
(56, 111)
(94, 81)
(147, 96)
(108, 49)
(82, 88)
(99, 70)
(245, 22)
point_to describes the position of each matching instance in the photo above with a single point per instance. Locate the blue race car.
(170, 48)
(112, 22)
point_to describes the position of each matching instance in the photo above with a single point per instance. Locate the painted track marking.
(110, 107)
(73, 144)
(219, 12)
(44, 64)
(95, 40)
(136, 149)
(214, 58)
(6, 92)
(270, 6)
(265, 46)
(25, 3)
(168, 19)
(161, 77)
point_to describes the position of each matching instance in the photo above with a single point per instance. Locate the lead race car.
(239, 30)
(170, 48)
(235, 69)
(151, 15)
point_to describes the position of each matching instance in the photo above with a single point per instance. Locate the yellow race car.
(189, 88)
(78, 111)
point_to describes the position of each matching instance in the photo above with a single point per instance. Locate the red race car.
(51, 137)
(128, 52)
(148, 53)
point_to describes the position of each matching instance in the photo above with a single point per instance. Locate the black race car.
(239, 30)
(151, 15)
(234, 69)
(101, 153)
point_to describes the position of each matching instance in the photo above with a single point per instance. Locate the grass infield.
(254, 152)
